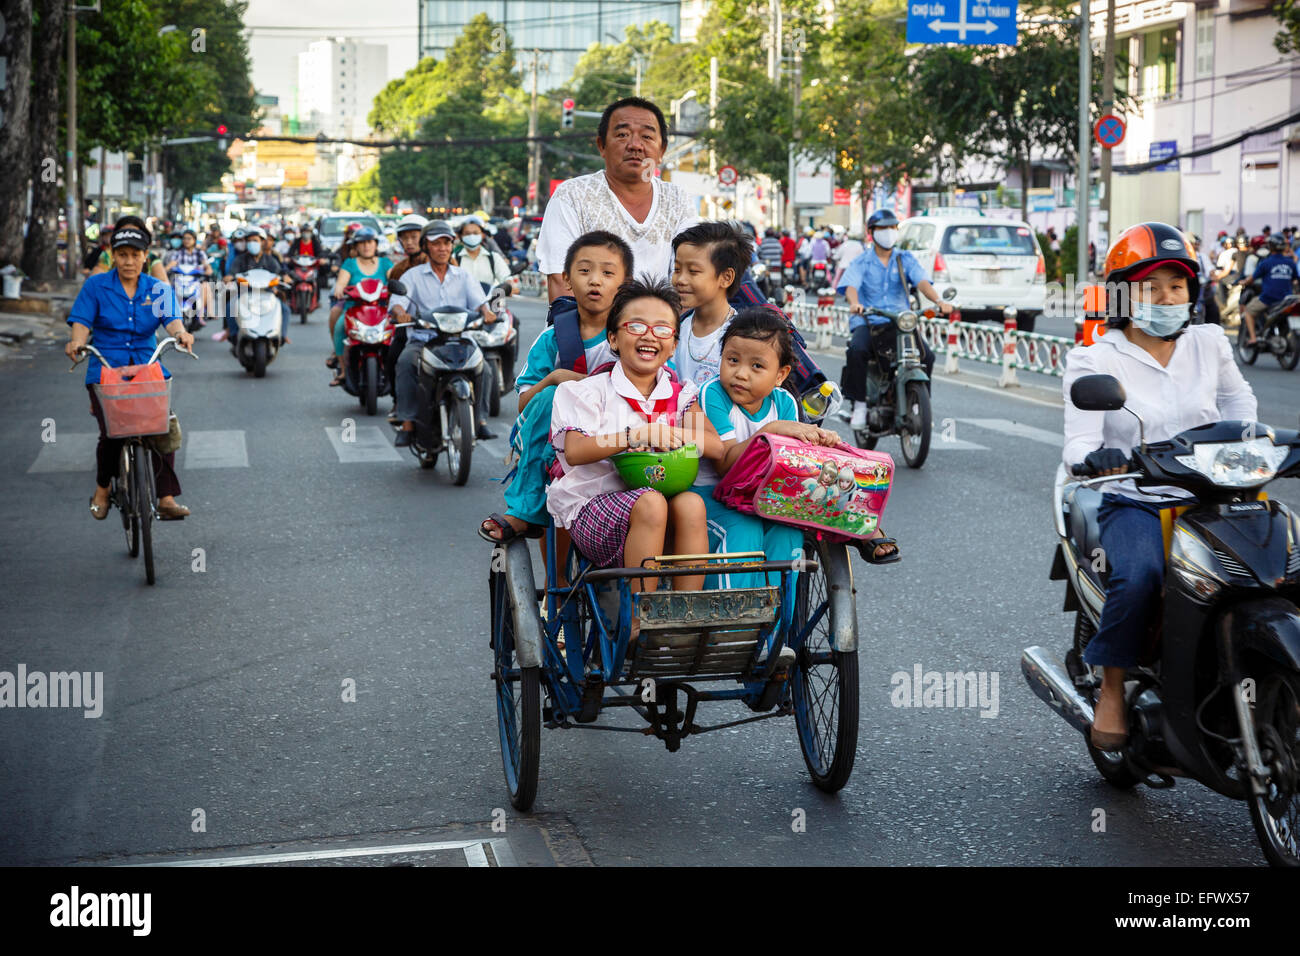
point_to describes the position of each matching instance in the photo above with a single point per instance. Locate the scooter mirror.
(1097, 393)
(950, 293)
(395, 287)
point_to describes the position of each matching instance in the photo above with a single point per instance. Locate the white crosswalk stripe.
(214, 449)
(1017, 429)
(367, 443)
(70, 451)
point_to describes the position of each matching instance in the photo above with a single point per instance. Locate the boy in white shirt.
(710, 259)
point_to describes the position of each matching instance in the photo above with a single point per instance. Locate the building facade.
(561, 29)
(337, 82)
(1203, 74)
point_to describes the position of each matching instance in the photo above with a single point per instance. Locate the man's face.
(410, 241)
(439, 250)
(632, 145)
(187, 241)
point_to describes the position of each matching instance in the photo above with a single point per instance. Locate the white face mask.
(255, 248)
(885, 238)
(472, 240)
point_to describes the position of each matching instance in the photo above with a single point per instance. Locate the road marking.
(475, 854)
(369, 443)
(937, 440)
(1018, 429)
(215, 449)
(70, 451)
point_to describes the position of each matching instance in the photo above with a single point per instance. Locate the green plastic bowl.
(667, 472)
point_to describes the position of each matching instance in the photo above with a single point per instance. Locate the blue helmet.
(881, 219)
(365, 232)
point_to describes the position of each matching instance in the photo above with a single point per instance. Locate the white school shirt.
(709, 348)
(585, 203)
(1201, 384)
(597, 405)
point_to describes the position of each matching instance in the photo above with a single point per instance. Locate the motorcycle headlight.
(1236, 464)
(1194, 564)
(451, 322)
(907, 321)
(759, 270)
(370, 334)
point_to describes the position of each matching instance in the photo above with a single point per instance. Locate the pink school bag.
(839, 491)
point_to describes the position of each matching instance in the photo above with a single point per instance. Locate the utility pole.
(534, 145)
(796, 87)
(70, 166)
(1085, 139)
(637, 89)
(713, 122)
(1107, 105)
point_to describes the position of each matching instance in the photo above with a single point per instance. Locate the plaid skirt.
(600, 530)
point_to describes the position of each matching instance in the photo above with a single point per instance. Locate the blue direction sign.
(961, 21)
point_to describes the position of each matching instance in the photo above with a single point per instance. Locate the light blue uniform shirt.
(123, 327)
(879, 285)
(425, 292)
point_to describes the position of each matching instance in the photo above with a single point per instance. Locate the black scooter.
(1277, 333)
(450, 363)
(1216, 695)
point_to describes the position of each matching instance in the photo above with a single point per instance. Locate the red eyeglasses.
(640, 328)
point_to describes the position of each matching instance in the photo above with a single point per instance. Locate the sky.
(281, 29)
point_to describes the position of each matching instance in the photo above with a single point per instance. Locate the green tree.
(362, 194)
(1288, 15)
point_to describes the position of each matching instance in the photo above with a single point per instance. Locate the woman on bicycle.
(123, 309)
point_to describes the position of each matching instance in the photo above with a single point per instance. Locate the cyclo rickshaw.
(564, 654)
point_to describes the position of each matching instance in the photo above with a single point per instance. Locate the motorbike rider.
(366, 263)
(1277, 275)
(873, 280)
(803, 253)
(437, 282)
(189, 254)
(485, 264)
(408, 237)
(257, 254)
(1176, 376)
(846, 252)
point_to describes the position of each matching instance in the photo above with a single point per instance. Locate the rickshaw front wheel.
(519, 705)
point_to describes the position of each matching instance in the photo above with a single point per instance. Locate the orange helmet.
(1139, 251)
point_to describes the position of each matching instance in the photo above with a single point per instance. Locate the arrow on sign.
(962, 26)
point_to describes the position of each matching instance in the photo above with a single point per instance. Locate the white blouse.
(1201, 384)
(597, 405)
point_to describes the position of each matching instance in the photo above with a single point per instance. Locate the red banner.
(840, 197)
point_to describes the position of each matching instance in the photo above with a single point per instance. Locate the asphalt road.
(227, 727)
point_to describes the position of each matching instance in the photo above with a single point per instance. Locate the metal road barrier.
(532, 282)
(951, 339)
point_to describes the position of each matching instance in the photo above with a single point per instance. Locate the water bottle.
(822, 402)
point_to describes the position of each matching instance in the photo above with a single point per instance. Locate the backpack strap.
(563, 315)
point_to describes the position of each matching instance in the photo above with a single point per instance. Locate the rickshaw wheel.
(519, 707)
(825, 681)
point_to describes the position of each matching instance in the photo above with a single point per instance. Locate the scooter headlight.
(907, 321)
(451, 323)
(1236, 464)
(1194, 564)
(369, 334)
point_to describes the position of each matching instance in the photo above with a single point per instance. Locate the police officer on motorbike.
(875, 279)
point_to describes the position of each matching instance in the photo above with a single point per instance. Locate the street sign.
(1109, 131)
(532, 190)
(840, 197)
(1160, 150)
(516, 201)
(962, 21)
(727, 175)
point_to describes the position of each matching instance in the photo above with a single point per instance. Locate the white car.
(993, 263)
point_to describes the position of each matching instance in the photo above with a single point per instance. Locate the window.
(916, 236)
(989, 240)
(1202, 164)
(1204, 42)
(1158, 76)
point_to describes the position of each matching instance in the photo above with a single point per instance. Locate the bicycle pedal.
(592, 692)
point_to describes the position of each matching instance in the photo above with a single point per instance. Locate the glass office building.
(561, 29)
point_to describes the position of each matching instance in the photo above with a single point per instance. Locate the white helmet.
(411, 222)
(855, 233)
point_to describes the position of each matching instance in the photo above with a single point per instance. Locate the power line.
(1212, 148)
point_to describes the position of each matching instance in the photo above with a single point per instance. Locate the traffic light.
(222, 130)
(566, 118)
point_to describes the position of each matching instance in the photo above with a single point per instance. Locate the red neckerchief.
(659, 406)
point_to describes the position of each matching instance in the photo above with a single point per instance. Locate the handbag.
(170, 442)
(838, 491)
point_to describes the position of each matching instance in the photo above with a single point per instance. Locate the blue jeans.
(1134, 550)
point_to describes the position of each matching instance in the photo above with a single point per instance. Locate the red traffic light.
(568, 104)
(222, 129)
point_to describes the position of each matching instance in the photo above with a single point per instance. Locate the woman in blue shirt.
(365, 263)
(124, 309)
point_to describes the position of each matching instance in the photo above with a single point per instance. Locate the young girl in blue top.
(366, 263)
(745, 399)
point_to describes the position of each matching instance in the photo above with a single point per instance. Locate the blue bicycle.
(564, 654)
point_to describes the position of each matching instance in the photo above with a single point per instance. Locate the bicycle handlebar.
(170, 340)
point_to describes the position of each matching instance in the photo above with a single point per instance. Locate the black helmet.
(1277, 243)
(881, 219)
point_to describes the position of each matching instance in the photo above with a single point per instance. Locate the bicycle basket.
(135, 400)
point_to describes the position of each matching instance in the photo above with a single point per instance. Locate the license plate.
(1295, 322)
(990, 276)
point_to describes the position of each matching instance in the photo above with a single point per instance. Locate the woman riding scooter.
(1176, 376)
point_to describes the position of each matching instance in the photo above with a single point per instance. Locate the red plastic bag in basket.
(134, 399)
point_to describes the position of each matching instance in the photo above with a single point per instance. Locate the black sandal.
(508, 533)
(868, 549)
